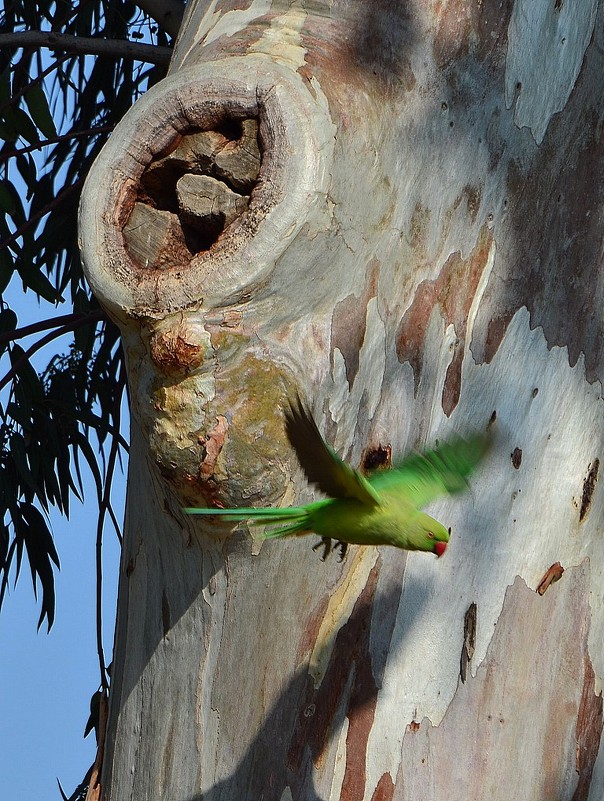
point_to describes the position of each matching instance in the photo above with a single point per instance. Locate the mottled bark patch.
(535, 685)
(588, 733)
(311, 629)
(549, 246)
(179, 349)
(350, 656)
(453, 291)
(371, 47)
(351, 682)
(349, 323)
(464, 27)
(211, 445)
(384, 790)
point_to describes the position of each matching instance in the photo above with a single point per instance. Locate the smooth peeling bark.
(419, 253)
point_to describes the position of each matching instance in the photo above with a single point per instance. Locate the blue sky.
(46, 680)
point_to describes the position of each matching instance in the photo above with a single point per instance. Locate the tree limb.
(53, 140)
(153, 54)
(63, 321)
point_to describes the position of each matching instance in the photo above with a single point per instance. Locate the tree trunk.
(394, 209)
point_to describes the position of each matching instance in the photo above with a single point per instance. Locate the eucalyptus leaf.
(37, 105)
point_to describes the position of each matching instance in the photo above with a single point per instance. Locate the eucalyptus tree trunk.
(393, 209)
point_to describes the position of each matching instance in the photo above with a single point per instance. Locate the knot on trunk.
(202, 186)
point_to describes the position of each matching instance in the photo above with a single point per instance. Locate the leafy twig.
(59, 332)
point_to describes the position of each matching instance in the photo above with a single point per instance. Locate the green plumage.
(380, 509)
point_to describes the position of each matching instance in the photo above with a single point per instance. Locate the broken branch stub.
(202, 186)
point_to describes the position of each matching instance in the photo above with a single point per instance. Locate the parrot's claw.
(328, 544)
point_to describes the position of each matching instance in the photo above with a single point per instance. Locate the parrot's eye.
(430, 535)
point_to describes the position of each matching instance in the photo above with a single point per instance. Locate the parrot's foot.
(327, 544)
(343, 546)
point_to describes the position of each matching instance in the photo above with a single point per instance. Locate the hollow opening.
(189, 195)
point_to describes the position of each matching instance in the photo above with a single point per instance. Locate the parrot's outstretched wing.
(320, 463)
(423, 477)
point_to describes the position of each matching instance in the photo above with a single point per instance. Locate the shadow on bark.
(294, 748)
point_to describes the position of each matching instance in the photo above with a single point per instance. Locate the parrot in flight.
(383, 508)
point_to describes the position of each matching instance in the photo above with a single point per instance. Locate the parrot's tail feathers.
(253, 514)
(297, 526)
(294, 517)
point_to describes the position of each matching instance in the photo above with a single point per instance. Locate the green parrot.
(380, 509)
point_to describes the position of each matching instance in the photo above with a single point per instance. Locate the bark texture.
(418, 253)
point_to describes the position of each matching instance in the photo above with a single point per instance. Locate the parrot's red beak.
(440, 548)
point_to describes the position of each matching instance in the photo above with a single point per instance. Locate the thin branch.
(116, 525)
(72, 321)
(6, 155)
(99, 596)
(167, 13)
(87, 45)
(93, 793)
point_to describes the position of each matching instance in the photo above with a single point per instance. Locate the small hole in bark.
(376, 458)
(589, 486)
(517, 458)
(189, 194)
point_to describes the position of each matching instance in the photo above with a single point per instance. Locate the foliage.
(56, 111)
